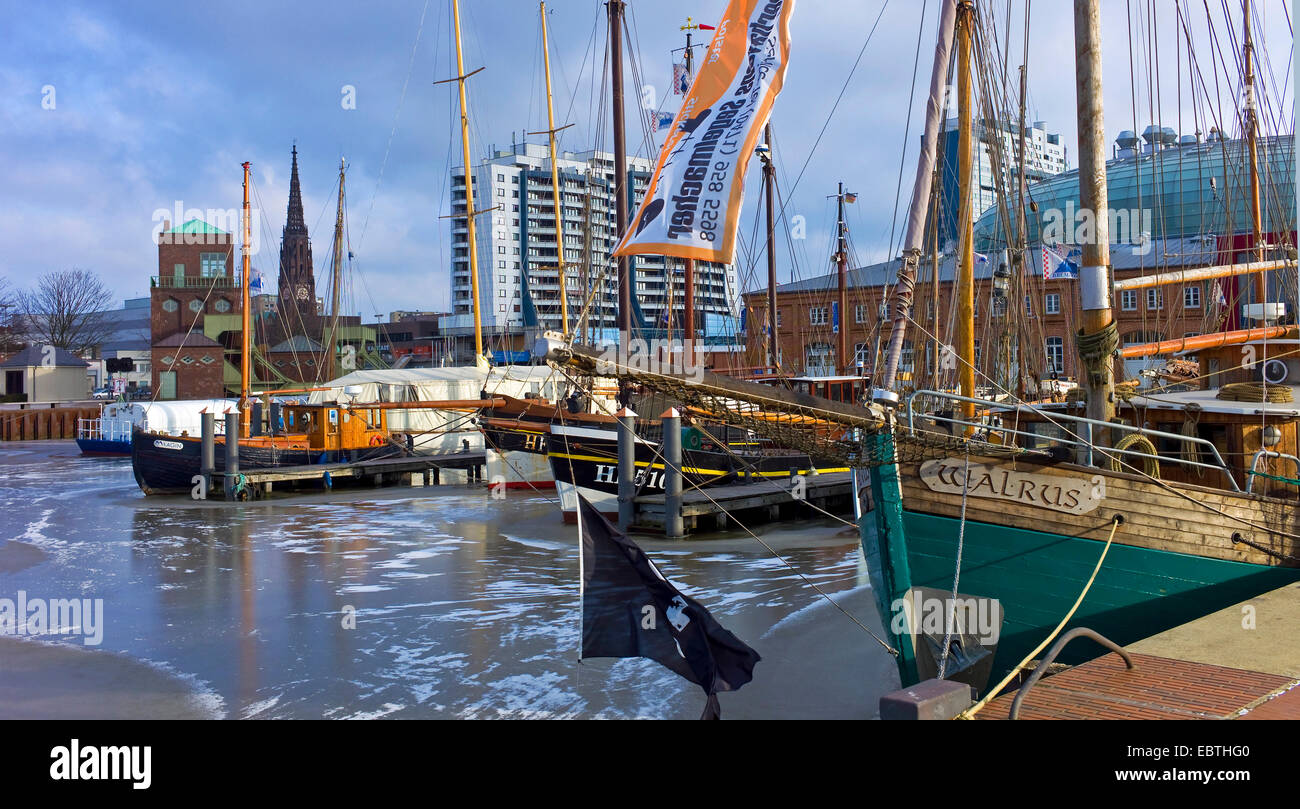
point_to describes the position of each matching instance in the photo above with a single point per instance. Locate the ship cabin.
(844, 388)
(330, 427)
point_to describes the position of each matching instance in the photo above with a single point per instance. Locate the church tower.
(297, 281)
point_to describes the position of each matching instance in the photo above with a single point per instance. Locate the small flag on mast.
(630, 610)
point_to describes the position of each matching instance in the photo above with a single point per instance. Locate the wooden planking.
(1155, 517)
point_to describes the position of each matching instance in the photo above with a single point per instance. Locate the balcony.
(195, 282)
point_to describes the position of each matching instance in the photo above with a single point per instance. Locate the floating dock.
(761, 499)
(1241, 662)
(386, 471)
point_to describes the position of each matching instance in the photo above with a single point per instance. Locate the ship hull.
(585, 461)
(97, 446)
(169, 464)
(1171, 560)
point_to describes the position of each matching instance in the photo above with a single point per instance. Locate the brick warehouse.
(807, 339)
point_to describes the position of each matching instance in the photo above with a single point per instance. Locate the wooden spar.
(1203, 341)
(470, 213)
(688, 315)
(435, 404)
(331, 345)
(1094, 273)
(965, 223)
(590, 361)
(555, 183)
(769, 187)
(1199, 274)
(625, 283)
(841, 265)
(915, 235)
(246, 334)
(1252, 127)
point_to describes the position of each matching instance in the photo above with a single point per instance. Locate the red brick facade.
(196, 277)
(805, 320)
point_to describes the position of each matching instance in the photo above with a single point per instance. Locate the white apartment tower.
(518, 249)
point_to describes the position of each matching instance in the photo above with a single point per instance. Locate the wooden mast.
(769, 187)
(331, 345)
(965, 221)
(688, 281)
(1097, 338)
(1252, 130)
(625, 282)
(555, 182)
(842, 264)
(245, 341)
(470, 213)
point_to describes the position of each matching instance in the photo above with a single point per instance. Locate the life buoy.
(376, 440)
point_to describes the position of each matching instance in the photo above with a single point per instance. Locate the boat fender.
(376, 440)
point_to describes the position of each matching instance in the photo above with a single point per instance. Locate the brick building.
(1047, 319)
(196, 278)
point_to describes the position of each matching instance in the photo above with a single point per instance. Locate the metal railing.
(1082, 439)
(95, 430)
(1268, 453)
(196, 281)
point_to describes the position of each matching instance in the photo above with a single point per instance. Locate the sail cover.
(692, 206)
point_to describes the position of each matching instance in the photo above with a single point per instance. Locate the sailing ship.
(1015, 504)
(1034, 514)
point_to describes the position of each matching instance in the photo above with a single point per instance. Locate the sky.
(113, 116)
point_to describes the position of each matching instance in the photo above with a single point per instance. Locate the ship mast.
(245, 375)
(688, 314)
(470, 213)
(841, 264)
(555, 181)
(1252, 131)
(769, 186)
(965, 221)
(332, 344)
(915, 234)
(1099, 337)
(625, 281)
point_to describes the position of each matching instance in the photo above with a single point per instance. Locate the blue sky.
(158, 104)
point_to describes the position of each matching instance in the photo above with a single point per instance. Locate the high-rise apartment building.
(995, 169)
(519, 243)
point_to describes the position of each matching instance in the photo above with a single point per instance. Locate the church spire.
(297, 281)
(295, 223)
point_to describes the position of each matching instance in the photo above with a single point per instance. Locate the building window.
(501, 192)
(906, 357)
(860, 313)
(1192, 297)
(212, 265)
(1155, 299)
(222, 305)
(1056, 354)
(1029, 306)
(170, 305)
(976, 358)
(1052, 305)
(1128, 300)
(778, 318)
(501, 249)
(501, 178)
(817, 315)
(860, 353)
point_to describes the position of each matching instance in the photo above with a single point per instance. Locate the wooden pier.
(761, 499)
(1237, 663)
(410, 470)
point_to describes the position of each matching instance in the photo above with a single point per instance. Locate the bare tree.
(8, 309)
(65, 309)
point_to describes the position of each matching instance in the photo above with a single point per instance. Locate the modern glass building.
(1167, 188)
